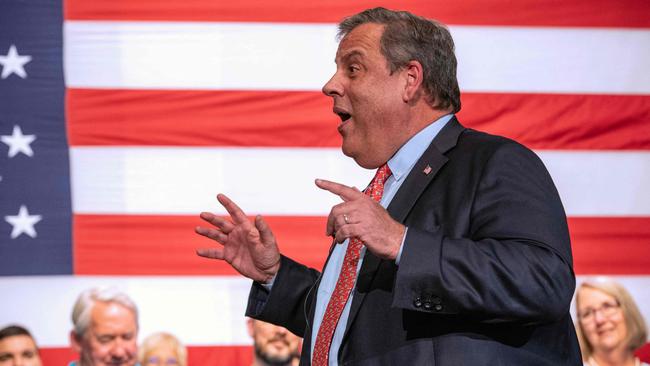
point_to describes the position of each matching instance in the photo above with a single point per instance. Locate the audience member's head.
(610, 326)
(162, 349)
(17, 347)
(274, 345)
(105, 328)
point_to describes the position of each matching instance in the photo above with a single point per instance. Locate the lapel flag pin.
(427, 169)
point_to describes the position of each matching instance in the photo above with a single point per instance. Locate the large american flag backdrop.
(120, 120)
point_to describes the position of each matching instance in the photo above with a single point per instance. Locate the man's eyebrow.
(349, 55)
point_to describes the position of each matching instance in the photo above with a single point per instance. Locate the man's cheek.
(132, 349)
(101, 354)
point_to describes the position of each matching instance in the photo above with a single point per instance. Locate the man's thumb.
(265, 231)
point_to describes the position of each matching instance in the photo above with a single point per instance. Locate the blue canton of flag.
(35, 206)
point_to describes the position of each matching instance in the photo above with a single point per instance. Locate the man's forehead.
(111, 313)
(361, 40)
(110, 308)
(17, 341)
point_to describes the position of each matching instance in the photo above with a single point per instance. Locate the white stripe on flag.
(601, 183)
(127, 180)
(151, 55)
(186, 180)
(278, 56)
(553, 60)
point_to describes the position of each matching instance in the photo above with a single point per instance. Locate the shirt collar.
(405, 158)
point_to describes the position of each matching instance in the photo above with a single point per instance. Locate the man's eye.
(5, 357)
(104, 339)
(29, 354)
(128, 336)
(352, 69)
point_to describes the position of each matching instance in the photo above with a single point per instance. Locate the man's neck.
(259, 362)
(422, 116)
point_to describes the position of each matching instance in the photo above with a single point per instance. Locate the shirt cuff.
(401, 247)
(269, 285)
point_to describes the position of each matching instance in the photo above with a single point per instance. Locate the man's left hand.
(359, 216)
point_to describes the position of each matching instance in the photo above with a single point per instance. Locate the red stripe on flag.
(57, 356)
(611, 245)
(571, 13)
(139, 245)
(203, 355)
(200, 118)
(305, 119)
(220, 355)
(165, 245)
(562, 121)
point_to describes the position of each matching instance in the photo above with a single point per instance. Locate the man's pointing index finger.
(346, 193)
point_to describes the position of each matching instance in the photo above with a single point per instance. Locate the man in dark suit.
(458, 252)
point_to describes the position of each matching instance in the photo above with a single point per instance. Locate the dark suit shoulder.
(486, 141)
(502, 163)
(482, 147)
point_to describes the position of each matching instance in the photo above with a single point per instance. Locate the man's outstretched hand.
(249, 248)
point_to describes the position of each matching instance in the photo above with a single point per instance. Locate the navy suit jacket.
(485, 276)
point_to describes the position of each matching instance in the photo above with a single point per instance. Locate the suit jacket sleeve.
(287, 305)
(512, 263)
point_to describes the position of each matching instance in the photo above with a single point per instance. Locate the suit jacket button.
(428, 305)
(417, 303)
(436, 300)
(438, 307)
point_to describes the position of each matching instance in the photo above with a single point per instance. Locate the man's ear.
(75, 341)
(414, 75)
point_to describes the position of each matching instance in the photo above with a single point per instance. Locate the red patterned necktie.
(346, 279)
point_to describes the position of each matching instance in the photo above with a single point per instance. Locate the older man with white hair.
(105, 328)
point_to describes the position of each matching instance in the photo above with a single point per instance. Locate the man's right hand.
(250, 249)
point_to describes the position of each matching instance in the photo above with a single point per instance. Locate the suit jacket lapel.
(424, 170)
(418, 179)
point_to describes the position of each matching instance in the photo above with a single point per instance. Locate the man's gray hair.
(87, 299)
(408, 37)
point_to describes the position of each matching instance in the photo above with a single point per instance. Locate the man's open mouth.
(343, 115)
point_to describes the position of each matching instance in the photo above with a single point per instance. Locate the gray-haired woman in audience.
(610, 327)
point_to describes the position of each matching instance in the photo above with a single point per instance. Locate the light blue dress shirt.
(400, 165)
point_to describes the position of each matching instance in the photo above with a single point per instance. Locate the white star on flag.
(13, 63)
(23, 223)
(18, 142)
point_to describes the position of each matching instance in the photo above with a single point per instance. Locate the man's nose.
(118, 351)
(333, 87)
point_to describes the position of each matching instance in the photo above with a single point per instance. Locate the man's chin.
(365, 162)
(354, 154)
(275, 359)
(121, 363)
(346, 150)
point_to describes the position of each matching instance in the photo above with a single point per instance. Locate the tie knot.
(376, 187)
(382, 174)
